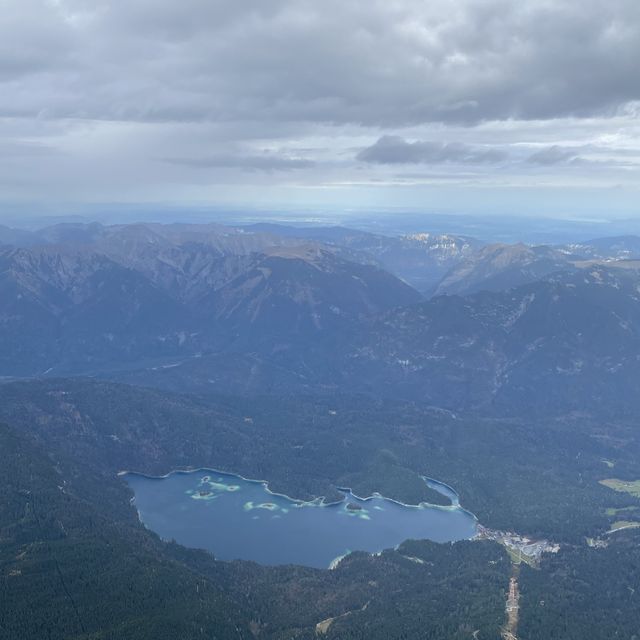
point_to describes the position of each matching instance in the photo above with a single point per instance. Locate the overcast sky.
(528, 106)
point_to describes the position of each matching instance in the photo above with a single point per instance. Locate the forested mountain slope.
(69, 570)
(75, 563)
(562, 344)
(73, 309)
(65, 516)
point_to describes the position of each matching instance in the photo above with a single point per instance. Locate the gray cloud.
(554, 155)
(107, 99)
(373, 63)
(396, 150)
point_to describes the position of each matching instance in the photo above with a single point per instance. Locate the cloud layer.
(128, 96)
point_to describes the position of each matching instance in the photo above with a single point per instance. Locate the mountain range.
(211, 308)
(318, 358)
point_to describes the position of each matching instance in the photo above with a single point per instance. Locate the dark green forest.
(68, 571)
(538, 478)
(76, 563)
(584, 593)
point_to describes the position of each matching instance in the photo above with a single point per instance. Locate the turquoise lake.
(236, 518)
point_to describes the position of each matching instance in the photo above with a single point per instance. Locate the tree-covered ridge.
(423, 589)
(584, 593)
(540, 479)
(69, 571)
(535, 478)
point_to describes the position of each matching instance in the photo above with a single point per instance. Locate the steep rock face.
(499, 267)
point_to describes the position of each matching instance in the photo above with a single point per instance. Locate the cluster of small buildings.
(521, 547)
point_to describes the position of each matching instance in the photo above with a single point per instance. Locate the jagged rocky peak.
(444, 242)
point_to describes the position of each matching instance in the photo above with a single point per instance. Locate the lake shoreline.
(319, 501)
(208, 475)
